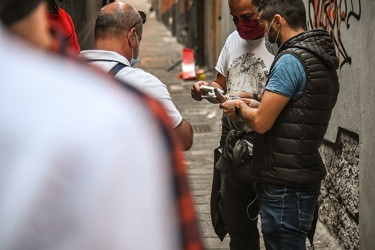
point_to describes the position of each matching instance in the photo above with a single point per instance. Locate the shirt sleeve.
(287, 77)
(222, 61)
(154, 87)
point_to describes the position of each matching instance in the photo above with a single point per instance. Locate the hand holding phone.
(219, 95)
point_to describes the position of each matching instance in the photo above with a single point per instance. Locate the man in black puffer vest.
(290, 122)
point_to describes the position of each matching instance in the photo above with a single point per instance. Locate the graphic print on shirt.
(247, 73)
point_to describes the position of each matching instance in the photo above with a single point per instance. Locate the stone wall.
(339, 201)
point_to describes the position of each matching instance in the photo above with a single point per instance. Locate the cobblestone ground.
(159, 52)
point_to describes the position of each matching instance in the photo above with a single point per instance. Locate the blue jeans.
(287, 212)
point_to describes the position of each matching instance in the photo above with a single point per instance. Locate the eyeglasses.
(143, 16)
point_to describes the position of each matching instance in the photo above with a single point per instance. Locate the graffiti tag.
(329, 15)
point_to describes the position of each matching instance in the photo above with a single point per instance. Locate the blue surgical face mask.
(272, 47)
(133, 61)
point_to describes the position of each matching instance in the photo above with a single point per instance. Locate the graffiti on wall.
(333, 16)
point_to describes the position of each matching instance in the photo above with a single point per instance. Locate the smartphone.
(219, 95)
(209, 90)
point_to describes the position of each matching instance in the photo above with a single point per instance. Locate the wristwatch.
(237, 108)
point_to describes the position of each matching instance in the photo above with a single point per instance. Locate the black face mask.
(12, 11)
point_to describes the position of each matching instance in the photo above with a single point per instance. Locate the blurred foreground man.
(75, 171)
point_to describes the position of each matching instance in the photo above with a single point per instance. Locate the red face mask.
(249, 29)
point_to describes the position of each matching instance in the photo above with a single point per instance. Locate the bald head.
(116, 18)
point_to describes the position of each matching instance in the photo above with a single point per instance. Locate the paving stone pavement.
(159, 52)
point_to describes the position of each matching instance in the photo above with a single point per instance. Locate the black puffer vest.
(288, 152)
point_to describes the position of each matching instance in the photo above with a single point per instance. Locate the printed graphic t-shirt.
(246, 65)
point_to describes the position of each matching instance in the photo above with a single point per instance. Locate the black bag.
(216, 218)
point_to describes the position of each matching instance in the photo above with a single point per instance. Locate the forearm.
(250, 117)
(260, 116)
(251, 96)
(185, 133)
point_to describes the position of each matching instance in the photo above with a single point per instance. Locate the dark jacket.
(288, 152)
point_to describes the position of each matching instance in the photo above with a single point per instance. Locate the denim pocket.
(306, 208)
(273, 191)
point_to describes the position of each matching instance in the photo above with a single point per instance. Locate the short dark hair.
(293, 11)
(12, 11)
(256, 3)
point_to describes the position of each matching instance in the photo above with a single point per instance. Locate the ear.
(278, 20)
(132, 37)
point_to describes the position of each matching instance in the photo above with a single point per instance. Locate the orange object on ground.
(188, 64)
